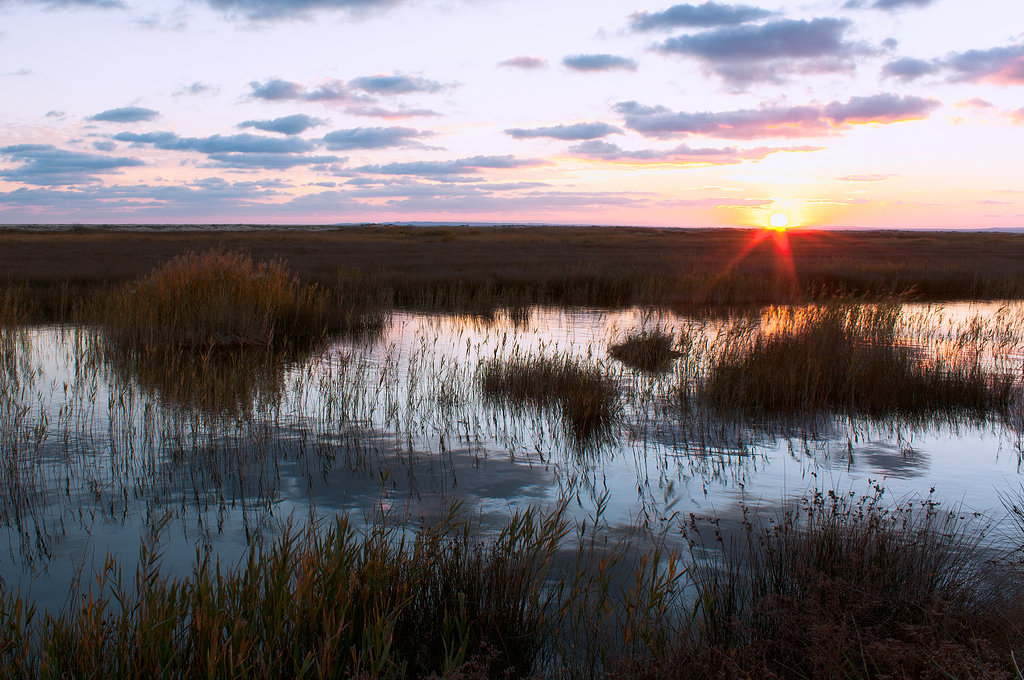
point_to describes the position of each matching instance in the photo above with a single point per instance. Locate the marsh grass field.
(511, 452)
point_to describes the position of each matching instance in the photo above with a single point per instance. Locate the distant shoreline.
(471, 267)
(245, 227)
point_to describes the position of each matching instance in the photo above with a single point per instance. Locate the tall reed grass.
(837, 356)
(840, 586)
(330, 601)
(836, 586)
(222, 300)
(650, 350)
(587, 398)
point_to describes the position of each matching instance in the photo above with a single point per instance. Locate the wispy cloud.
(705, 15)
(218, 144)
(909, 68)
(679, 155)
(286, 125)
(292, 9)
(373, 138)
(126, 114)
(573, 132)
(395, 84)
(195, 88)
(525, 62)
(886, 4)
(46, 165)
(775, 121)
(999, 65)
(598, 62)
(454, 167)
(771, 51)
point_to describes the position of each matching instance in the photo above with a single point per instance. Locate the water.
(100, 454)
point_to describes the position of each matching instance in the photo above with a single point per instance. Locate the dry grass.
(326, 602)
(845, 587)
(587, 399)
(469, 268)
(216, 301)
(837, 356)
(652, 351)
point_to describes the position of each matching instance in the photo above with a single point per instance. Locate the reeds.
(330, 601)
(848, 357)
(218, 301)
(841, 586)
(650, 350)
(836, 586)
(586, 397)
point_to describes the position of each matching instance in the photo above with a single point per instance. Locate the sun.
(778, 220)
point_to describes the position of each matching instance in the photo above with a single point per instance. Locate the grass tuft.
(220, 301)
(846, 357)
(325, 602)
(587, 398)
(651, 351)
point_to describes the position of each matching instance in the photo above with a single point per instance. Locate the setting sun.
(779, 220)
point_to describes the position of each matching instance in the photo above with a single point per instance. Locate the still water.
(100, 453)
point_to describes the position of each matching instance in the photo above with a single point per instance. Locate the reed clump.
(333, 602)
(848, 357)
(587, 398)
(846, 587)
(221, 300)
(651, 350)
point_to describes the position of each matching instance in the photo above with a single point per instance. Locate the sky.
(838, 113)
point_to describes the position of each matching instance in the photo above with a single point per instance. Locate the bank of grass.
(649, 350)
(472, 269)
(848, 357)
(222, 300)
(835, 587)
(325, 602)
(844, 587)
(587, 399)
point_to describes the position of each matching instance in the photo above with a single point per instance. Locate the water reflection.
(98, 447)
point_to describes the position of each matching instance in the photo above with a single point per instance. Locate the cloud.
(395, 84)
(747, 53)
(390, 114)
(703, 16)
(574, 132)
(999, 65)
(775, 121)
(126, 114)
(328, 91)
(680, 155)
(372, 138)
(99, 4)
(462, 165)
(524, 62)
(218, 144)
(291, 9)
(196, 88)
(275, 89)
(871, 177)
(46, 165)
(887, 4)
(598, 62)
(104, 145)
(908, 69)
(285, 125)
(270, 161)
(879, 108)
(56, 114)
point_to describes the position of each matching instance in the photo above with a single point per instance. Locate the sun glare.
(779, 220)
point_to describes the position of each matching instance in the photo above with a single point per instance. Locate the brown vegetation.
(466, 267)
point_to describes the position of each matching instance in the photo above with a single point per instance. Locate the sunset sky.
(867, 113)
